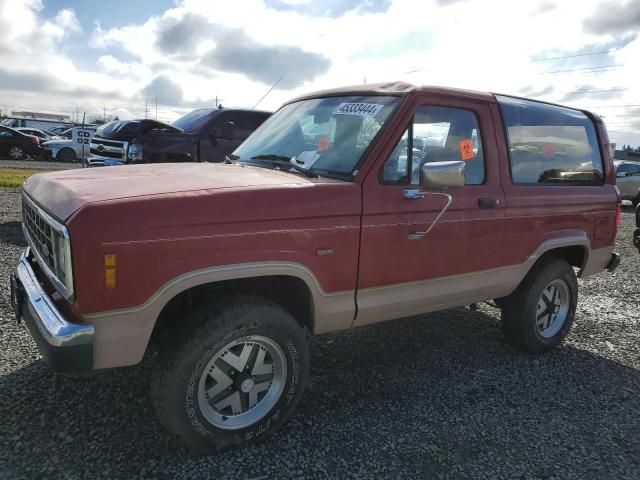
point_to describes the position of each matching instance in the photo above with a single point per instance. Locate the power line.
(573, 56)
(603, 68)
(615, 89)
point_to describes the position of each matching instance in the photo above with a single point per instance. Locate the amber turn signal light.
(110, 271)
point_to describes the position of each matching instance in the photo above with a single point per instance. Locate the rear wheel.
(66, 155)
(538, 315)
(234, 375)
(636, 201)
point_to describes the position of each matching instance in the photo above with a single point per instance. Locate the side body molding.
(413, 298)
(122, 335)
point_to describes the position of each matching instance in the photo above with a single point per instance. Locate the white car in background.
(73, 148)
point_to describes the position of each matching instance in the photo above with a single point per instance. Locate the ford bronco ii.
(347, 207)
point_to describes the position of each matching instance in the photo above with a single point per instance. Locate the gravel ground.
(38, 164)
(435, 396)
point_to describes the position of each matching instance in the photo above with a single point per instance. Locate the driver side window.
(437, 134)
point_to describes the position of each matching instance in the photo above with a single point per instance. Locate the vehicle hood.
(63, 193)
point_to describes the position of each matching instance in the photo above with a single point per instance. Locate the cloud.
(35, 82)
(167, 91)
(532, 92)
(614, 17)
(586, 56)
(445, 3)
(593, 92)
(237, 53)
(330, 8)
(182, 35)
(544, 7)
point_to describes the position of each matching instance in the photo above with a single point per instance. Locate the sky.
(121, 56)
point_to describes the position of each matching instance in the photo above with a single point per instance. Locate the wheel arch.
(122, 336)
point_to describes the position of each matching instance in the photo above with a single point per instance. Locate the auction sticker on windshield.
(359, 109)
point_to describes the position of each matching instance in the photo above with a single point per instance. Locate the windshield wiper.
(284, 161)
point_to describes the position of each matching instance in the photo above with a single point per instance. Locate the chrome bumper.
(67, 347)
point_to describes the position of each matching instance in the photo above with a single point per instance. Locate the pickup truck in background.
(204, 135)
(347, 207)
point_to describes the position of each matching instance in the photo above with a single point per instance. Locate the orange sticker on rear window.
(466, 149)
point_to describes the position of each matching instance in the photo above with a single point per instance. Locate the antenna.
(268, 92)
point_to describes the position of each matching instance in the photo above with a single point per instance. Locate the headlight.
(133, 152)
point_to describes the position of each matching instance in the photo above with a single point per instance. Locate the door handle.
(419, 235)
(488, 202)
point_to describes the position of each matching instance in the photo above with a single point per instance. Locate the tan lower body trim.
(402, 300)
(121, 336)
(597, 261)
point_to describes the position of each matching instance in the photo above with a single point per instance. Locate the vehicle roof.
(398, 89)
(404, 88)
(14, 130)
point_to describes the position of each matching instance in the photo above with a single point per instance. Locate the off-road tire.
(202, 334)
(519, 309)
(66, 155)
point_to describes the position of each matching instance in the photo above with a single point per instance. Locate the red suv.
(347, 207)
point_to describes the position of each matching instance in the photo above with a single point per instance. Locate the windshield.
(322, 134)
(194, 121)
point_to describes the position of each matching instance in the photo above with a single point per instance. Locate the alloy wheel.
(552, 308)
(242, 382)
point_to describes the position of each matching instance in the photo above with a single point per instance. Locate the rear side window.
(550, 145)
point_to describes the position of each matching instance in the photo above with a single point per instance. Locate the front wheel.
(17, 153)
(538, 315)
(234, 375)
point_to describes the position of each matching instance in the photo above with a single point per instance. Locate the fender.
(121, 336)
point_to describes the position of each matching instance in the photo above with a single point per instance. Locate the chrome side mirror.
(439, 175)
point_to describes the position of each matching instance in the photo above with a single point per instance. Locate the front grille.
(50, 245)
(108, 148)
(40, 233)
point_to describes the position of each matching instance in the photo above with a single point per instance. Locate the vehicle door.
(404, 271)
(220, 137)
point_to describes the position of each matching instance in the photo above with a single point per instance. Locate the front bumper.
(67, 347)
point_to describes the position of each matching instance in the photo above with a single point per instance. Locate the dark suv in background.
(203, 135)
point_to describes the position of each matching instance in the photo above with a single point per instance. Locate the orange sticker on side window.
(466, 149)
(323, 144)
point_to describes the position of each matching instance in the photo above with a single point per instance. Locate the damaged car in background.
(203, 135)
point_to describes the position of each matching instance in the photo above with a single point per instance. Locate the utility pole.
(104, 113)
(146, 107)
(156, 107)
